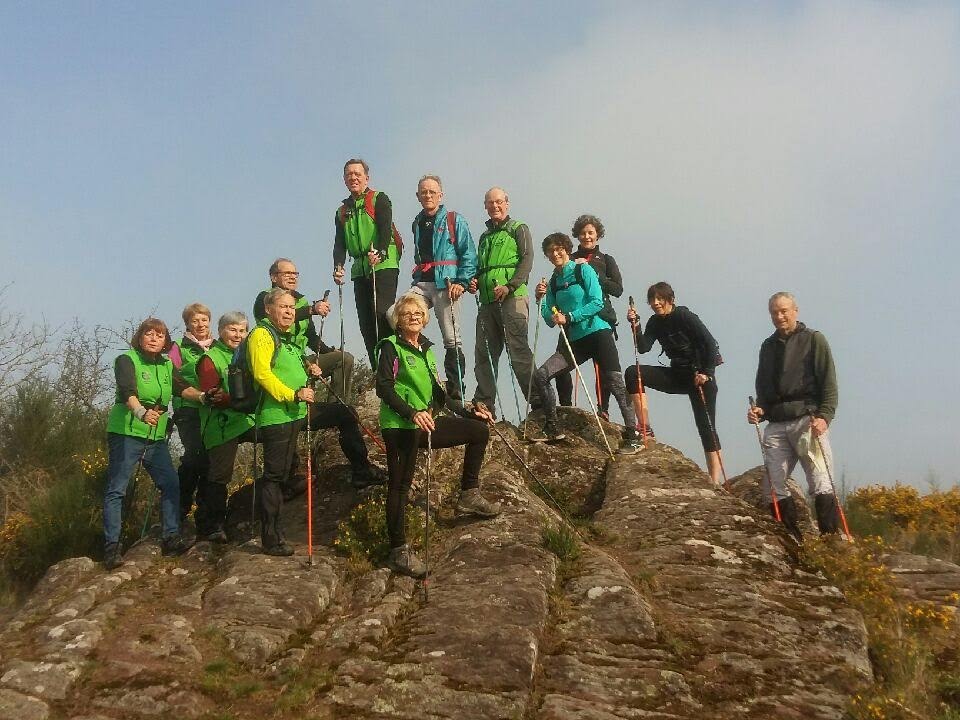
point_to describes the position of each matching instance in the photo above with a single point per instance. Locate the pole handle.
(753, 403)
(631, 302)
(326, 294)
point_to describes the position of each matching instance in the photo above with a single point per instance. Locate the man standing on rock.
(365, 230)
(445, 259)
(504, 261)
(797, 394)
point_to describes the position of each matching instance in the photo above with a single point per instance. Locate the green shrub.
(364, 532)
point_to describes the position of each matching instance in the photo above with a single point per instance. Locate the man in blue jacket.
(445, 258)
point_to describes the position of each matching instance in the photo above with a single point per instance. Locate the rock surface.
(678, 601)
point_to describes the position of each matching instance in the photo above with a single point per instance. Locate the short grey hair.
(357, 161)
(410, 298)
(435, 178)
(275, 267)
(234, 317)
(496, 187)
(273, 296)
(781, 295)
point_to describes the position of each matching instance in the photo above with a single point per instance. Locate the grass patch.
(562, 542)
(224, 680)
(301, 685)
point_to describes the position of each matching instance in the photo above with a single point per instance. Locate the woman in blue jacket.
(574, 300)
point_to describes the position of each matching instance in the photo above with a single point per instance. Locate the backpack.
(245, 395)
(606, 313)
(369, 202)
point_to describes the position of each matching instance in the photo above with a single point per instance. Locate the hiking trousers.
(402, 445)
(782, 451)
(499, 325)
(373, 321)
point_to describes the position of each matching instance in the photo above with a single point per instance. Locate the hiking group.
(259, 386)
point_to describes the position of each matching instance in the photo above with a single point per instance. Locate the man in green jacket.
(504, 261)
(364, 229)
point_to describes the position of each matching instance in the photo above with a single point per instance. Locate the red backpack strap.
(452, 226)
(369, 201)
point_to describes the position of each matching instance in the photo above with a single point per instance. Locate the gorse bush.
(910, 643)
(925, 524)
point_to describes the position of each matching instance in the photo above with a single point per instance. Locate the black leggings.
(679, 381)
(402, 445)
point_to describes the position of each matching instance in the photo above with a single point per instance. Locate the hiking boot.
(173, 546)
(650, 435)
(404, 561)
(535, 435)
(828, 520)
(281, 549)
(788, 515)
(112, 556)
(603, 415)
(552, 431)
(367, 476)
(630, 447)
(471, 502)
(217, 536)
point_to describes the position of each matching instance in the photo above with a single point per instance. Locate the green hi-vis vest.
(191, 355)
(414, 372)
(290, 371)
(497, 258)
(360, 234)
(154, 387)
(222, 424)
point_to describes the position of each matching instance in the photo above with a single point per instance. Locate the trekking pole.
(493, 368)
(716, 438)
(636, 362)
(152, 435)
(132, 489)
(376, 314)
(326, 294)
(583, 382)
(766, 472)
(340, 293)
(533, 365)
(596, 375)
(353, 411)
(836, 498)
(506, 344)
(426, 517)
(456, 343)
(309, 488)
(253, 474)
(546, 491)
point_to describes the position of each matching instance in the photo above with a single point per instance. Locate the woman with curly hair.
(589, 231)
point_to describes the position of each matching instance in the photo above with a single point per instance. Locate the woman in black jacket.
(694, 357)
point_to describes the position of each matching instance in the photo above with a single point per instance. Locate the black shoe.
(112, 556)
(367, 476)
(789, 518)
(217, 536)
(281, 549)
(174, 545)
(828, 520)
(552, 432)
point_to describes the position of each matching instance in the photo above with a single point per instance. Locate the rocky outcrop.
(678, 601)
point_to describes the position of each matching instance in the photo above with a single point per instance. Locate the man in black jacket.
(797, 394)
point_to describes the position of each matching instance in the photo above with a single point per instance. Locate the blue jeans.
(124, 455)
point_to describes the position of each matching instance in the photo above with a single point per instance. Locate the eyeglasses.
(429, 193)
(289, 273)
(411, 315)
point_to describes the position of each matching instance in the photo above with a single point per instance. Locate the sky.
(152, 155)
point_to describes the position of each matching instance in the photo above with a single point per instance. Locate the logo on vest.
(144, 375)
(411, 361)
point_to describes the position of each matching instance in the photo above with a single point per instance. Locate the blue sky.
(153, 155)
